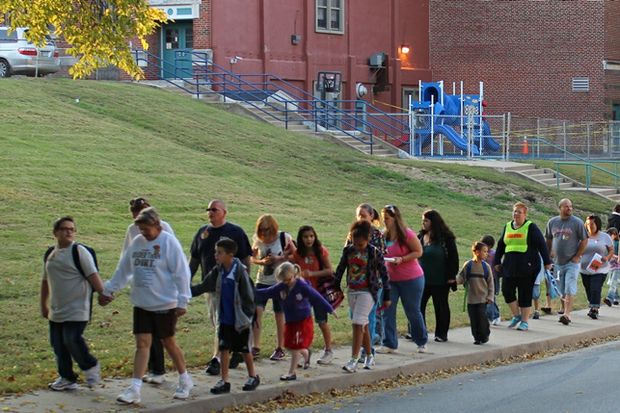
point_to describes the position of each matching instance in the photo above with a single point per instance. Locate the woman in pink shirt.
(406, 280)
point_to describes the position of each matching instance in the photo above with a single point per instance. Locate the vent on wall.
(581, 84)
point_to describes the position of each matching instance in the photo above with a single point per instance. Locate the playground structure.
(454, 123)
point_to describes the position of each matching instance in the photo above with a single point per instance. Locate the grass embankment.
(89, 158)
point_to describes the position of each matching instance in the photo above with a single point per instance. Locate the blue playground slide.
(488, 143)
(457, 140)
(453, 136)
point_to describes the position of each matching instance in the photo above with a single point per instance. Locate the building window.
(581, 84)
(330, 16)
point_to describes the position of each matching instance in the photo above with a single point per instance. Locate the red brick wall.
(202, 27)
(612, 52)
(526, 52)
(260, 32)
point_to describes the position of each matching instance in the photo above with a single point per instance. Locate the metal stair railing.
(158, 68)
(394, 127)
(206, 77)
(589, 167)
(320, 111)
(211, 71)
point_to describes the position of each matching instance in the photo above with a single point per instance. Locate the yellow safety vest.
(516, 239)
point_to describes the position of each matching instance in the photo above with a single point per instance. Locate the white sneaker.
(369, 362)
(422, 349)
(183, 389)
(351, 366)
(131, 395)
(386, 350)
(496, 321)
(153, 378)
(326, 357)
(93, 375)
(61, 384)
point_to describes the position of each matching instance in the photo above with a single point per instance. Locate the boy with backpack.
(70, 275)
(234, 308)
(477, 277)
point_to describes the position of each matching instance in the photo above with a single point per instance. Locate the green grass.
(89, 158)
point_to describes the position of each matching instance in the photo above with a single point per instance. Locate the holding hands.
(105, 299)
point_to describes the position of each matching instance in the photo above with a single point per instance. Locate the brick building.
(296, 39)
(547, 59)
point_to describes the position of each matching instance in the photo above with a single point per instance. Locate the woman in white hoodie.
(159, 273)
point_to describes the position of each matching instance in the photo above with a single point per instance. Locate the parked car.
(20, 57)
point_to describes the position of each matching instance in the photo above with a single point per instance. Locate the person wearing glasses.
(202, 254)
(66, 304)
(406, 280)
(156, 367)
(270, 248)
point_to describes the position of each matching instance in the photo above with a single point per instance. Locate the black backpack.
(76, 257)
(76, 261)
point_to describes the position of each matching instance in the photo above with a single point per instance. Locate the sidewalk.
(545, 334)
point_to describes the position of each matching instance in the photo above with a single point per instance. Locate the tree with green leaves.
(98, 31)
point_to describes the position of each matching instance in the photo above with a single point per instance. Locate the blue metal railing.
(590, 166)
(206, 77)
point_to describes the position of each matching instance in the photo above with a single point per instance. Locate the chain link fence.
(511, 137)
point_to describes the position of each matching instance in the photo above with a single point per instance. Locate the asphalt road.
(587, 380)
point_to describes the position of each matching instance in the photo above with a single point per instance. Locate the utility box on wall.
(376, 60)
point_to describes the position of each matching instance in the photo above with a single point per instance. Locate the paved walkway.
(544, 334)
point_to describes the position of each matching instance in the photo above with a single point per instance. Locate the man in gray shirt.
(65, 301)
(566, 240)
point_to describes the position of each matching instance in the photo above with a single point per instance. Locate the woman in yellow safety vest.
(517, 259)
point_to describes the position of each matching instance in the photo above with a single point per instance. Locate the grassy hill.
(88, 159)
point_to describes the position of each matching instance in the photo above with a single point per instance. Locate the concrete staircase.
(297, 123)
(548, 177)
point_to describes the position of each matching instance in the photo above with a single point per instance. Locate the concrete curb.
(544, 335)
(325, 383)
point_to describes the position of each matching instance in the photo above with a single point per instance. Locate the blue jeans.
(492, 310)
(614, 279)
(411, 293)
(67, 342)
(567, 274)
(372, 318)
(593, 284)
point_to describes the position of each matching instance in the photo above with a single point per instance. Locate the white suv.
(19, 57)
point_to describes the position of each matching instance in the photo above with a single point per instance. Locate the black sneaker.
(593, 313)
(213, 367)
(607, 301)
(235, 360)
(221, 387)
(251, 384)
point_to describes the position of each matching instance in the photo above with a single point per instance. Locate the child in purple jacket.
(297, 298)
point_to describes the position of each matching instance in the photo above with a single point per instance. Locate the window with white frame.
(330, 16)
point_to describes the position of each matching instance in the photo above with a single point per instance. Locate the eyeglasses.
(212, 209)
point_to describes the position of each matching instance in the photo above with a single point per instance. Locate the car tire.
(5, 69)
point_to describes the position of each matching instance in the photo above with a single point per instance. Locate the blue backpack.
(470, 263)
